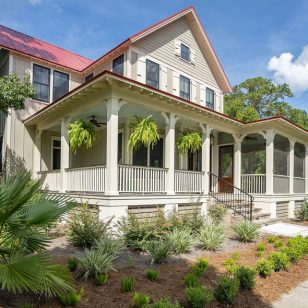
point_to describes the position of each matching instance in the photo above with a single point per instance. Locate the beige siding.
(21, 66)
(76, 81)
(161, 45)
(134, 59)
(106, 66)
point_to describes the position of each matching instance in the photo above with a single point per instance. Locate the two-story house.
(171, 72)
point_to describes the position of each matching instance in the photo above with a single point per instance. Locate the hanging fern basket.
(144, 132)
(81, 135)
(189, 141)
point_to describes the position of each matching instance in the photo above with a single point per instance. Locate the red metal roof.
(33, 47)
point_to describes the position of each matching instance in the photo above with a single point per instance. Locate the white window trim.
(51, 150)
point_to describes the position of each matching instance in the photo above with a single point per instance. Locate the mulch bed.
(170, 283)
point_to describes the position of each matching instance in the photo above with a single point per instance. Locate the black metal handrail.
(231, 196)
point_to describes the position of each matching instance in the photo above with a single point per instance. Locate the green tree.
(258, 98)
(14, 91)
(25, 214)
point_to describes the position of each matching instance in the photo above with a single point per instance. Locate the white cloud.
(291, 71)
(35, 2)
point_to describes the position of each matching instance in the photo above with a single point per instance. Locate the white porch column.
(237, 160)
(65, 152)
(206, 154)
(306, 169)
(169, 153)
(37, 154)
(269, 135)
(112, 147)
(291, 167)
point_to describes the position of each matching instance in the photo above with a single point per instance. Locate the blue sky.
(246, 35)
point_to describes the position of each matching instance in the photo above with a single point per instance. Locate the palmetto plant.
(144, 132)
(189, 141)
(81, 134)
(25, 213)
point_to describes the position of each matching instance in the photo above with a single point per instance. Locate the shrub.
(278, 244)
(226, 289)
(159, 250)
(231, 264)
(26, 305)
(217, 213)
(101, 279)
(165, 303)
(110, 245)
(127, 283)
(72, 298)
(246, 277)
(259, 254)
(152, 274)
(302, 213)
(141, 300)
(190, 280)
(246, 231)
(72, 264)
(264, 268)
(211, 236)
(279, 260)
(272, 239)
(181, 240)
(198, 297)
(261, 247)
(92, 262)
(200, 267)
(299, 243)
(84, 228)
(294, 254)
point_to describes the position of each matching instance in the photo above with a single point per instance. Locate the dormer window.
(185, 52)
(210, 98)
(41, 82)
(152, 74)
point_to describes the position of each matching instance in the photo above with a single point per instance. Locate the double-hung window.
(185, 52)
(210, 98)
(152, 74)
(184, 87)
(60, 84)
(118, 65)
(41, 82)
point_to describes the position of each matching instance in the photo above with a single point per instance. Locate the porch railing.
(253, 183)
(281, 184)
(51, 180)
(188, 181)
(141, 179)
(86, 179)
(299, 185)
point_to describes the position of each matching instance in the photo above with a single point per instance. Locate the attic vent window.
(89, 77)
(185, 52)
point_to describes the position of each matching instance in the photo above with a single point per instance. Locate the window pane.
(57, 143)
(281, 155)
(185, 52)
(195, 161)
(41, 82)
(140, 156)
(152, 74)
(60, 85)
(157, 155)
(118, 65)
(299, 160)
(210, 94)
(56, 155)
(184, 87)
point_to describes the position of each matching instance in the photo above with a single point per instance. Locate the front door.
(226, 168)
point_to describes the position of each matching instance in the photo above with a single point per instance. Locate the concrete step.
(266, 222)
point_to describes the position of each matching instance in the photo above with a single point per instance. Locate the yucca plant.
(81, 134)
(246, 231)
(189, 141)
(211, 236)
(25, 214)
(181, 240)
(144, 132)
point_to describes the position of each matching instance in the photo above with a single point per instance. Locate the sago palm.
(25, 213)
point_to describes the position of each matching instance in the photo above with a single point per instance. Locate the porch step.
(266, 222)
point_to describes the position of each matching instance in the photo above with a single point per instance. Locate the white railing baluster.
(253, 183)
(188, 181)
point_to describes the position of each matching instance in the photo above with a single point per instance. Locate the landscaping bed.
(170, 283)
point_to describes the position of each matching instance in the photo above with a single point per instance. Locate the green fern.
(81, 134)
(189, 141)
(144, 132)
